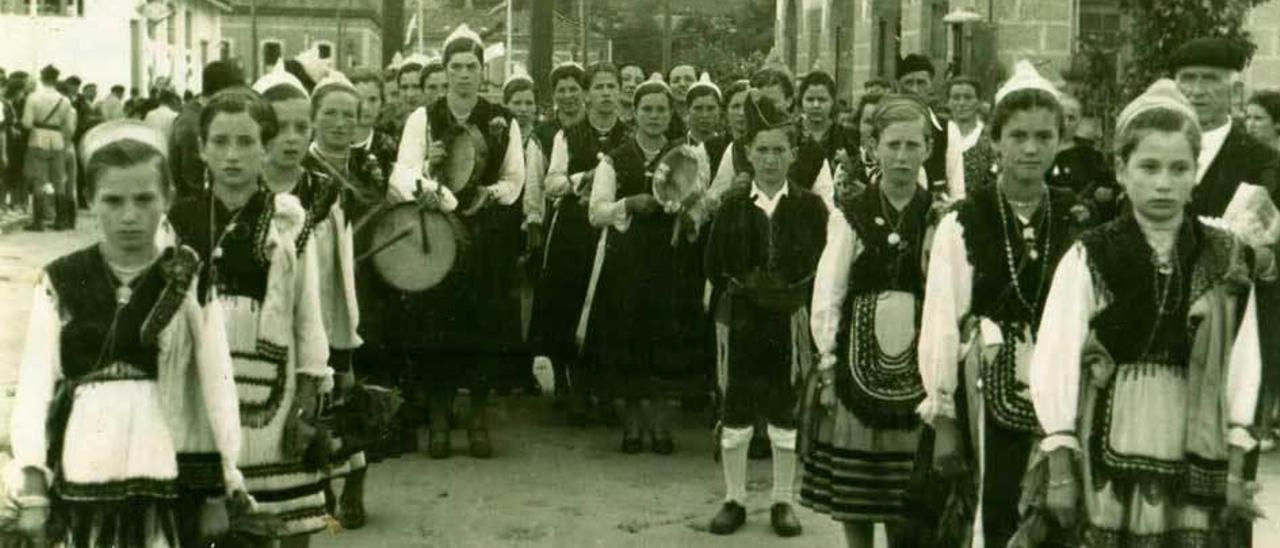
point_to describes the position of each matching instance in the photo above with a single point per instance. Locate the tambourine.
(466, 156)
(679, 178)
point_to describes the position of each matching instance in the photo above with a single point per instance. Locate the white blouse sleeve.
(606, 209)
(1244, 376)
(1056, 361)
(559, 182)
(946, 302)
(38, 374)
(412, 155)
(311, 345)
(217, 384)
(511, 180)
(831, 285)
(825, 186)
(725, 174)
(535, 203)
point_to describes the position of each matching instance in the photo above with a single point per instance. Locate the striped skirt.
(854, 472)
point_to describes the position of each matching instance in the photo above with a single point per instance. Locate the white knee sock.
(733, 457)
(784, 463)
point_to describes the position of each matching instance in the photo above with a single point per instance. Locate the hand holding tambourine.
(1251, 216)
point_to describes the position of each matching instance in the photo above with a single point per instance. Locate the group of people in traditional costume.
(923, 321)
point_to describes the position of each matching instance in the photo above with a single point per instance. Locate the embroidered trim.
(319, 197)
(259, 414)
(1194, 476)
(882, 390)
(117, 371)
(133, 487)
(262, 247)
(1000, 387)
(179, 270)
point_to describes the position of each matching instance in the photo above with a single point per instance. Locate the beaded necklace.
(1029, 242)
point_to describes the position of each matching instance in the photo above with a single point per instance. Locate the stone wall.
(1038, 30)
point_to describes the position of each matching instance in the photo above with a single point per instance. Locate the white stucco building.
(113, 42)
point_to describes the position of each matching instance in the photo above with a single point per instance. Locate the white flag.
(411, 32)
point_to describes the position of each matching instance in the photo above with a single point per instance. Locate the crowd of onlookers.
(38, 138)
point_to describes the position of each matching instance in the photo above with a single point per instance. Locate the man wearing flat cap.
(1206, 70)
(915, 79)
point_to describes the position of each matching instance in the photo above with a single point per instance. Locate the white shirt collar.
(764, 202)
(1210, 145)
(364, 145)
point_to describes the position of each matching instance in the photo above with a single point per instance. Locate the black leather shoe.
(784, 520)
(730, 518)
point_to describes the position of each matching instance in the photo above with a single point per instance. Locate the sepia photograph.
(639, 273)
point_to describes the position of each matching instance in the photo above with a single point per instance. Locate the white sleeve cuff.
(935, 406)
(827, 362)
(1239, 436)
(1053, 442)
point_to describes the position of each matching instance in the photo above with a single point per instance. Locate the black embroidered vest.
(885, 266)
(994, 295)
(87, 299)
(493, 121)
(243, 264)
(585, 144)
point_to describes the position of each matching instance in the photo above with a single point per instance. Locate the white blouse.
(188, 342)
(831, 286)
(1055, 364)
(605, 208)
(411, 162)
(535, 173)
(947, 295)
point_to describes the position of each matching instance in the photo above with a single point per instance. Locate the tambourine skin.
(466, 156)
(399, 254)
(675, 178)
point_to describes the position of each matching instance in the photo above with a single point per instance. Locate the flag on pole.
(411, 31)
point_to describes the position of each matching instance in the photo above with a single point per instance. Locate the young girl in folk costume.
(866, 304)
(987, 280)
(1145, 378)
(646, 325)
(472, 319)
(572, 242)
(568, 86)
(823, 140)
(248, 237)
(763, 250)
(122, 366)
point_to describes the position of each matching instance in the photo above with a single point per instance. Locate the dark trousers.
(1005, 462)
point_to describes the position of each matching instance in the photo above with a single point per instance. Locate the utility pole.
(541, 43)
(666, 36)
(253, 36)
(337, 47)
(582, 19)
(422, 23)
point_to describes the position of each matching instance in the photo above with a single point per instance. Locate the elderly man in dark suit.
(1206, 70)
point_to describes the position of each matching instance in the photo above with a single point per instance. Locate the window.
(45, 7)
(1100, 22)
(325, 49)
(272, 50)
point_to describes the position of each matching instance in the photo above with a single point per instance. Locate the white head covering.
(279, 76)
(1163, 94)
(705, 82)
(654, 79)
(311, 62)
(1025, 76)
(418, 59)
(463, 32)
(118, 130)
(396, 61)
(335, 79)
(518, 73)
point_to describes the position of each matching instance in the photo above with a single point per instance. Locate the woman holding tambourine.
(646, 325)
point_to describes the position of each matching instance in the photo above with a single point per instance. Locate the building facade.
(346, 33)
(114, 42)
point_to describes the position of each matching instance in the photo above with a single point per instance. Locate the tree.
(727, 46)
(1160, 26)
